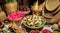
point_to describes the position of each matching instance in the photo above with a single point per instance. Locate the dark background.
(30, 2)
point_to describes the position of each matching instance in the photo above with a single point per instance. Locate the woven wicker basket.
(33, 27)
(2, 16)
(10, 7)
(51, 4)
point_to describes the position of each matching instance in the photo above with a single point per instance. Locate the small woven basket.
(2, 16)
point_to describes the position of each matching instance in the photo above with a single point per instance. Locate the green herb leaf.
(9, 1)
(42, 22)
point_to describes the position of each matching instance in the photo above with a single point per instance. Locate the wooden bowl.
(17, 19)
(26, 12)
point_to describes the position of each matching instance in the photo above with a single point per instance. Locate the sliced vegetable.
(37, 25)
(28, 23)
(42, 22)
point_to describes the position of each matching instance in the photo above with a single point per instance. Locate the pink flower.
(15, 15)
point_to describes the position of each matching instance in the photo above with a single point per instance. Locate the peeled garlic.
(55, 26)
